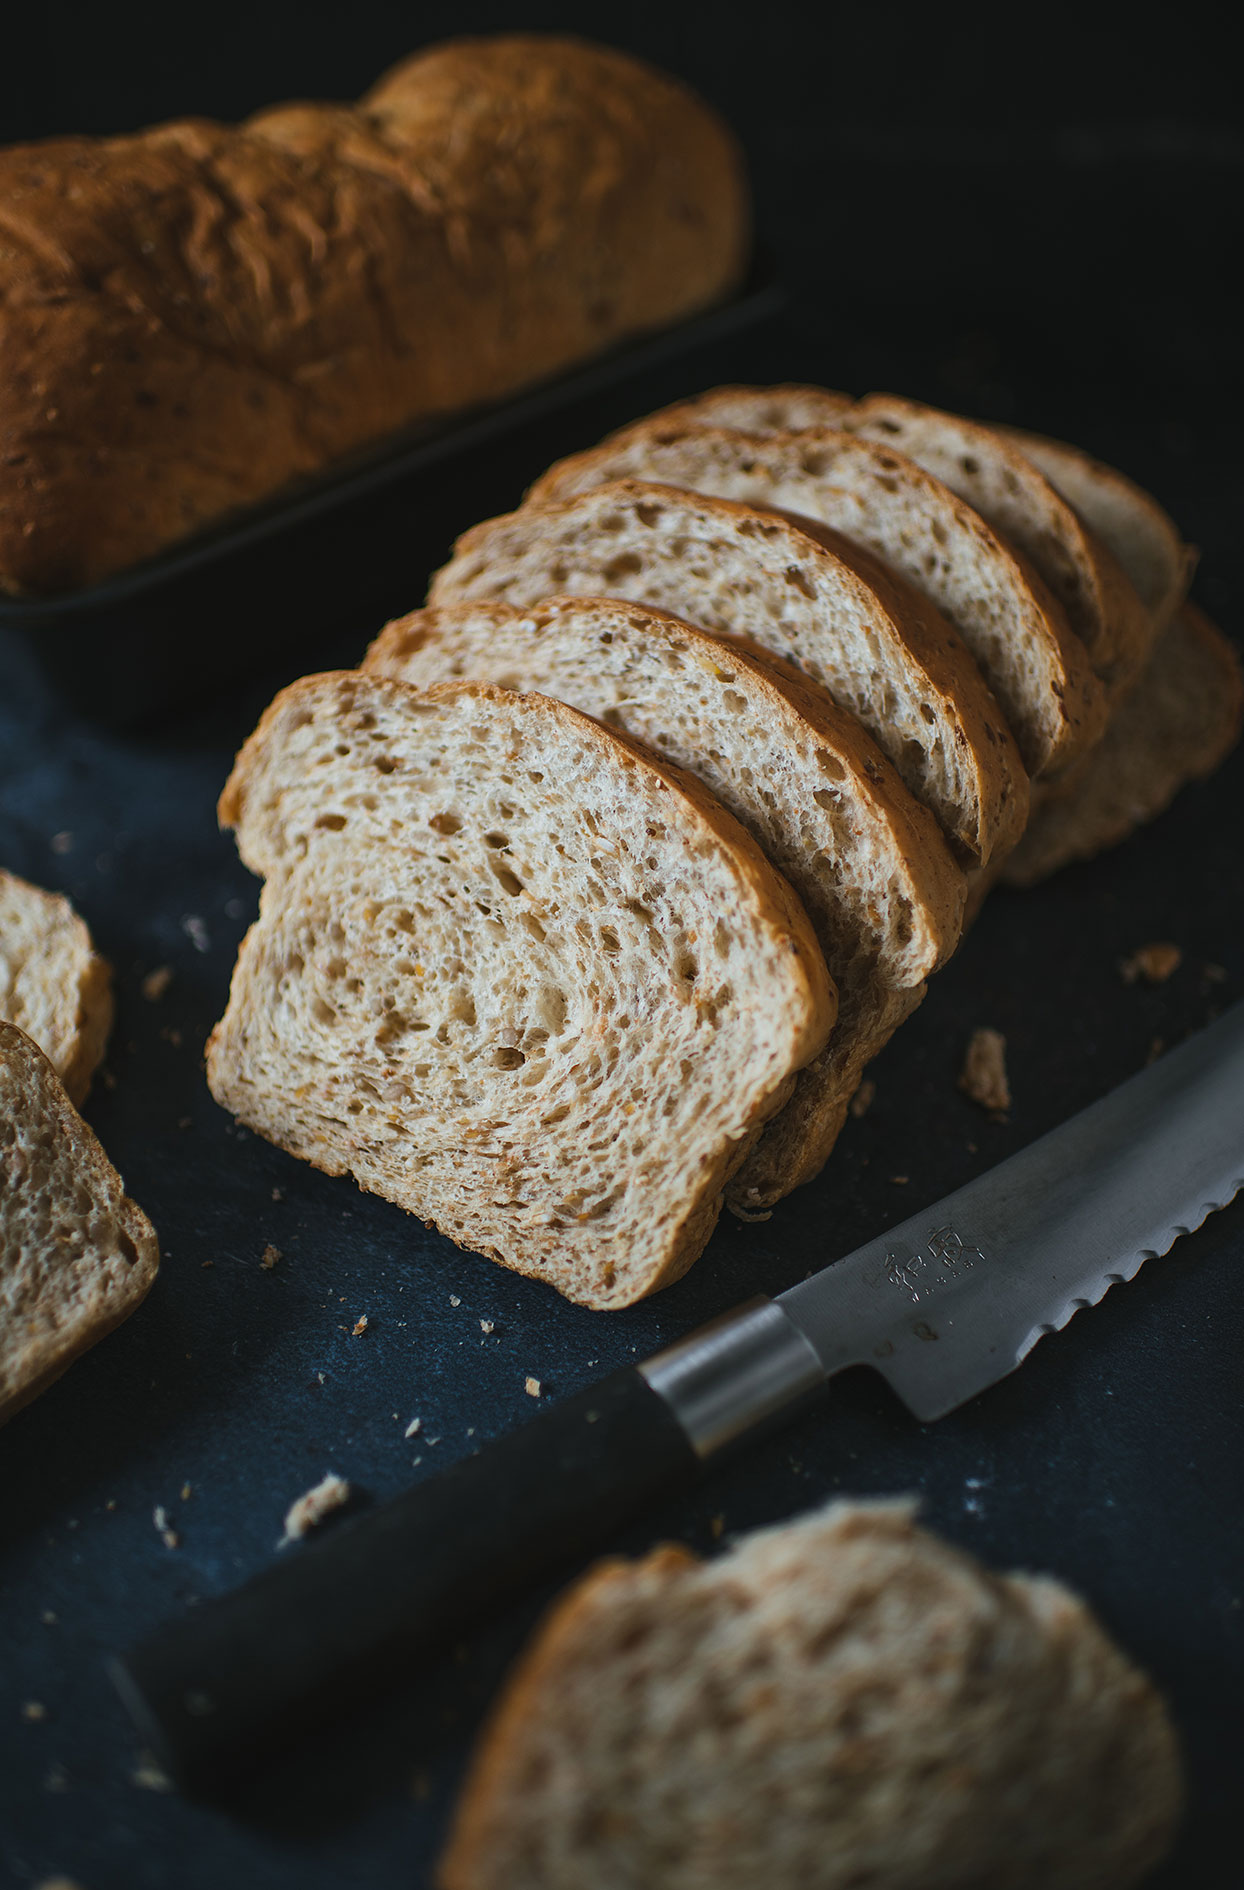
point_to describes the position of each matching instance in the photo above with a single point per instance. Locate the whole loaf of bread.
(194, 316)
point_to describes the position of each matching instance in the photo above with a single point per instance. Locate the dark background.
(1032, 221)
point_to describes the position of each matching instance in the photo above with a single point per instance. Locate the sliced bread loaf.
(53, 984)
(76, 1255)
(828, 810)
(1177, 725)
(884, 654)
(837, 1703)
(1036, 667)
(510, 972)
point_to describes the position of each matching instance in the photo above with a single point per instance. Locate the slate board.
(1111, 1459)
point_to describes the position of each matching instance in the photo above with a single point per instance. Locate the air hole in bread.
(508, 1059)
(969, 464)
(626, 564)
(331, 823)
(800, 581)
(648, 514)
(497, 839)
(445, 823)
(509, 882)
(610, 940)
(385, 764)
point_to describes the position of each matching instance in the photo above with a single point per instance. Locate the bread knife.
(943, 1306)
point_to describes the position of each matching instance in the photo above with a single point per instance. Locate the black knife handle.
(220, 1689)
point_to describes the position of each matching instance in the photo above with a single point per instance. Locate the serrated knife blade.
(944, 1305)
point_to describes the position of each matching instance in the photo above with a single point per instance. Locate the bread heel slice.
(76, 1254)
(53, 983)
(511, 973)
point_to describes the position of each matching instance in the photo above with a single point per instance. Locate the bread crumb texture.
(313, 1505)
(841, 1702)
(53, 984)
(76, 1255)
(983, 1076)
(510, 973)
(1154, 963)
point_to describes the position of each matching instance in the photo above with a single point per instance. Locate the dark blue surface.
(1112, 1459)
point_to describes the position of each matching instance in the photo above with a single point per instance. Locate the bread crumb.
(414, 1427)
(61, 842)
(746, 1214)
(1154, 963)
(56, 1779)
(312, 1507)
(49, 1617)
(156, 983)
(862, 1100)
(983, 1076)
(454, 1300)
(202, 1263)
(171, 1035)
(149, 1775)
(270, 1257)
(1215, 974)
(57, 1883)
(196, 932)
(360, 1326)
(34, 1709)
(532, 1387)
(187, 1492)
(277, 1195)
(184, 1122)
(1157, 1048)
(900, 1181)
(717, 1524)
(486, 1325)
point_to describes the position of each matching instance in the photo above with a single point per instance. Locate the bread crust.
(196, 315)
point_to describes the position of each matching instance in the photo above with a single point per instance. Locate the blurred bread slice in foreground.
(53, 983)
(76, 1255)
(842, 1701)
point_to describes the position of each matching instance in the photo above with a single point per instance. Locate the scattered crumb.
(34, 1709)
(747, 1214)
(414, 1427)
(1154, 963)
(717, 1524)
(49, 1617)
(277, 1194)
(234, 908)
(270, 1257)
(172, 1035)
(107, 1078)
(57, 1883)
(202, 1263)
(900, 1181)
(156, 983)
(149, 1775)
(168, 1536)
(983, 1076)
(56, 1779)
(972, 1149)
(532, 1387)
(1215, 974)
(61, 842)
(196, 932)
(312, 1507)
(486, 1325)
(184, 1122)
(1157, 1047)
(862, 1100)
(111, 1503)
(187, 1491)
(454, 1300)
(360, 1326)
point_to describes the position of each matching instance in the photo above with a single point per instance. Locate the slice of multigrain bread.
(882, 651)
(510, 972)
(53, 983)
(875, 497)
(1178, 724)
(869, 864)
(840, 1702)
(76, 1255)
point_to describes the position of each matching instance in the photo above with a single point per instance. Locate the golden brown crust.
(193, 316)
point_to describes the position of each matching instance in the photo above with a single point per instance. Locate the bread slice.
(988, 470)
(1178, 724)
(869, 864)
(883, 652)
(1142, 537)
(511, 973)
(1038, 670)
(76, 1255)
(840, 1702)
(53, 984)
